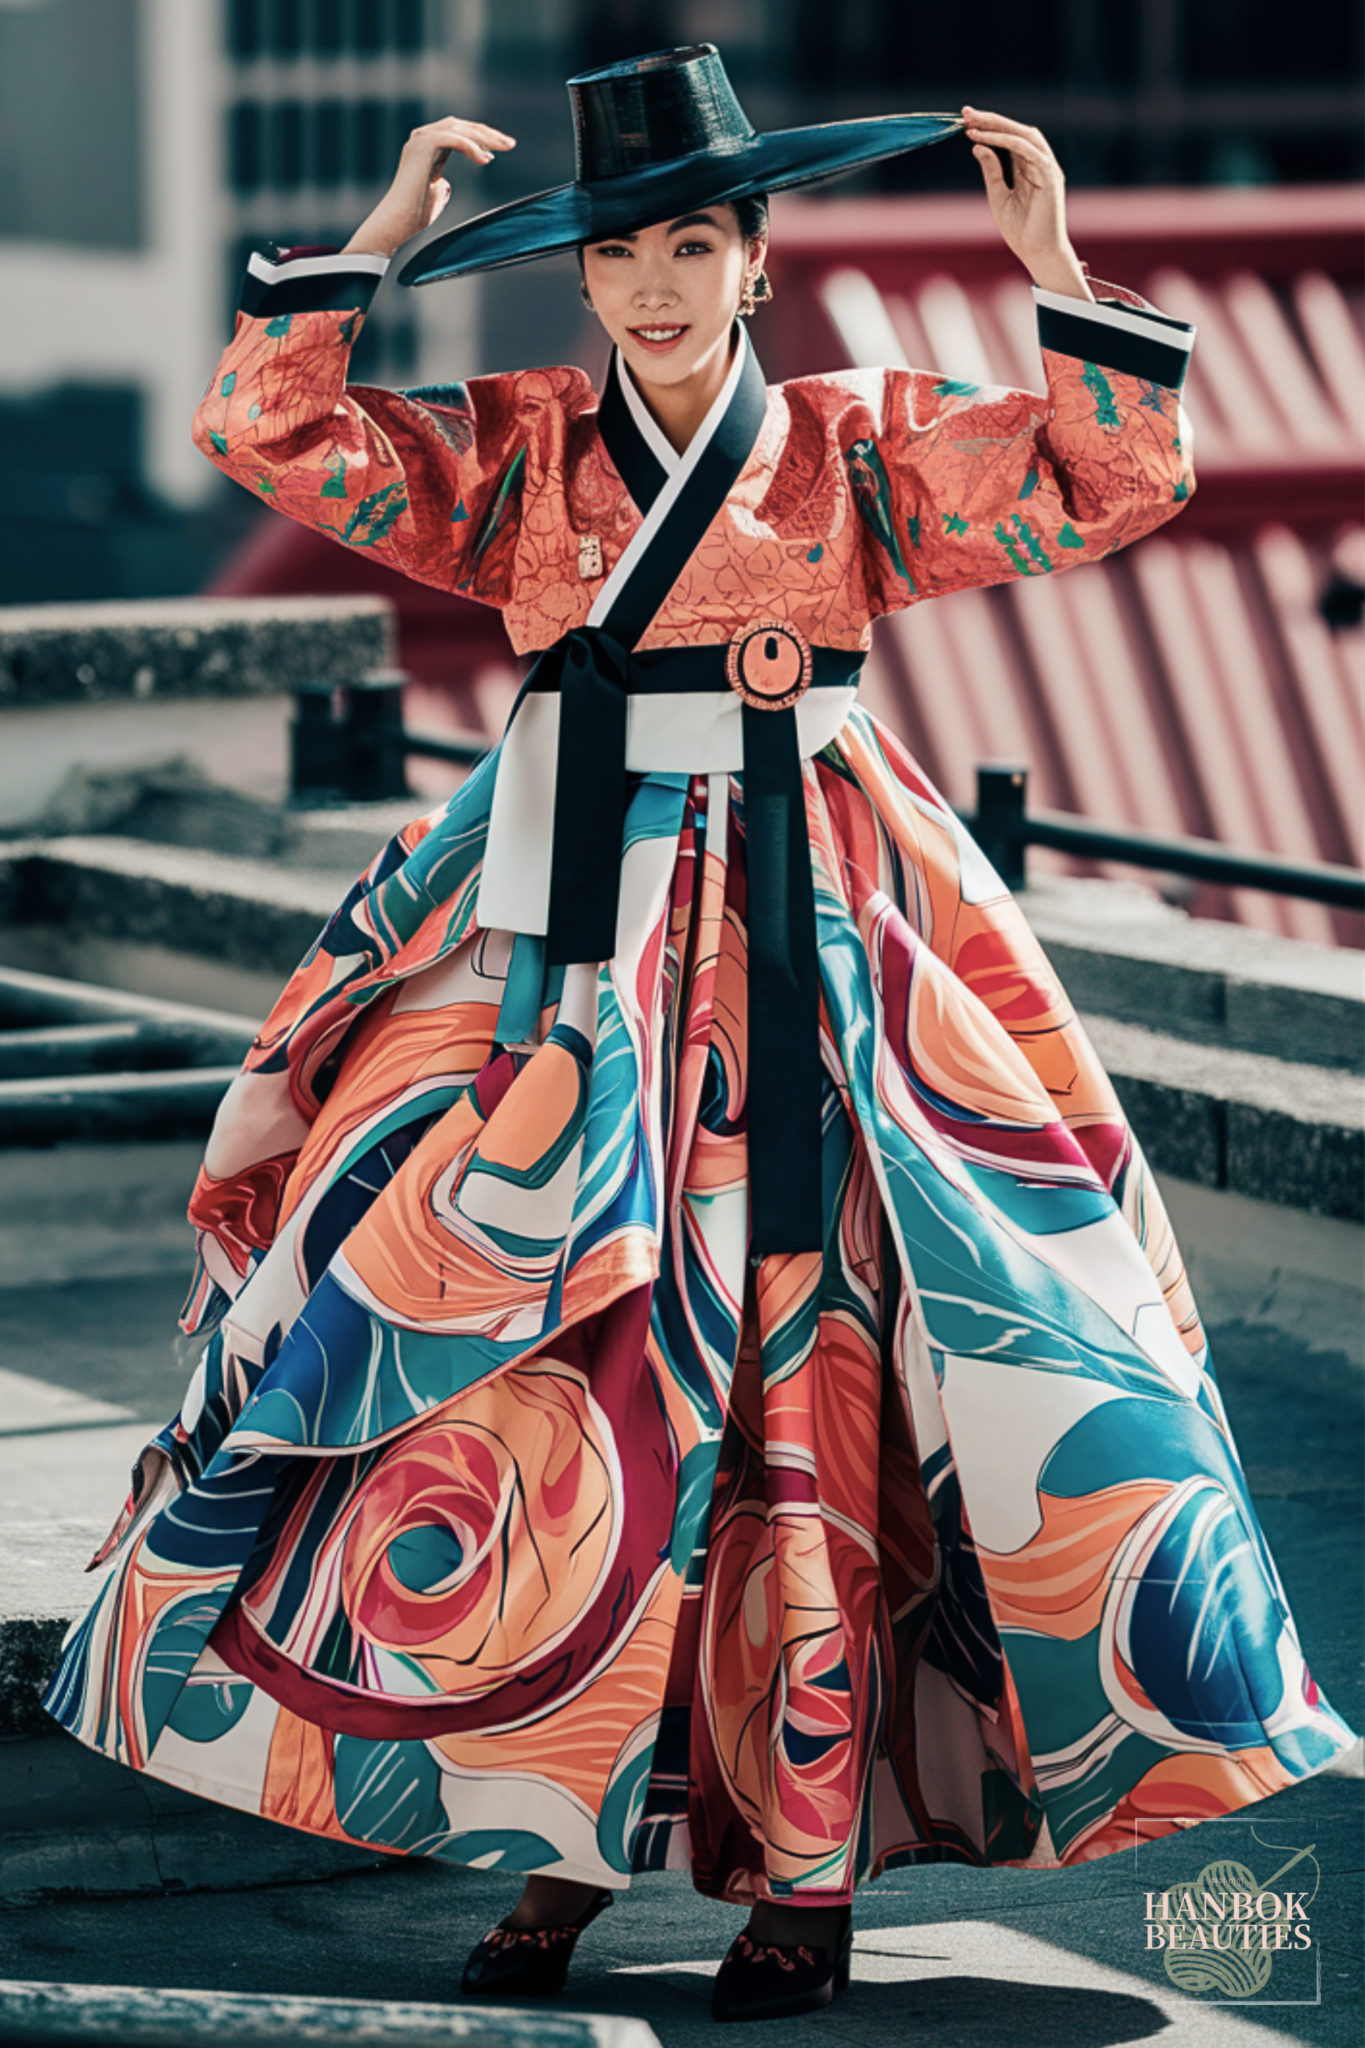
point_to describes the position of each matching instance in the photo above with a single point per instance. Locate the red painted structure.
(1191, 686)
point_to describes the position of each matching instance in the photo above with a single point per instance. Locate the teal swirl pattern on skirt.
(513, 1518)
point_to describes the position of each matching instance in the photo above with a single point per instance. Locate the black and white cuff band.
(1135, 340)
(310, 284)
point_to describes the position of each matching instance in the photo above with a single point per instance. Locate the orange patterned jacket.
(866, 491)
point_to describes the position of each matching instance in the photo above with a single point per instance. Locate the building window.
(245, 167)
(367, 357)
(369, 27)
(329, 143)
(327, 36)
(409, 26)
(287, 145)
(371, 157)
(286, 27)
(401, 353)
(407, 115)
(243, 22)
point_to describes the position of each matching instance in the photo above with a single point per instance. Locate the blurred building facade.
(1152, 92)
(147, 145)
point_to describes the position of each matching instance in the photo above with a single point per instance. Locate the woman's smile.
(659, 337)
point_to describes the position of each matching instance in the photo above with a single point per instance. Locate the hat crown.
(653, 109)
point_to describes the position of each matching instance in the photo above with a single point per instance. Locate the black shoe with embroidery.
(527, 1962)
(768, 1980)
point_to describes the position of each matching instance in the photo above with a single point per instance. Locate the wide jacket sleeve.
(433, 482)
(967, 484)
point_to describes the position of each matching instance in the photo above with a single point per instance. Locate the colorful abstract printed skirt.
(514, 1517)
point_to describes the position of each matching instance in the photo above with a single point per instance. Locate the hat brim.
(567, 215)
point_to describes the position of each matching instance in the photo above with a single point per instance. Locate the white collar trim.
(679, 468)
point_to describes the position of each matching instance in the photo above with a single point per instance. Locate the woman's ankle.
(786, 1925)
(549, 1902)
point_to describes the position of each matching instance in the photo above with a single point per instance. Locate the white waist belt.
(695, 732)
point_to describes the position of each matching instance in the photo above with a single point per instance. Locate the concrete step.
(1277, 1130)
(77, 1825)
(178, 647)
(36, 1000)
(1121, 952)
(254, 913)
(173, 802)
(81, 1061)
(98, 861)
(111, 1106)
(89, 1212)
(134, 2017)
(1210, 1094)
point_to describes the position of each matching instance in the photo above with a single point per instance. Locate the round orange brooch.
(769, 665)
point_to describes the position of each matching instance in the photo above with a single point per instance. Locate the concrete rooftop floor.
(969, 1958)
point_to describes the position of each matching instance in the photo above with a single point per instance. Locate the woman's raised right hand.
(419, 192)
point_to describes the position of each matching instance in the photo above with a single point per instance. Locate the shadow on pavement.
(952, 2011)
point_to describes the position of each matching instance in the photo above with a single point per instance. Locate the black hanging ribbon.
(785, 1081)
(590, 794)
(593, 672)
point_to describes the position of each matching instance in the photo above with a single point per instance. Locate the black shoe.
(527, 1962)
(776, 1980)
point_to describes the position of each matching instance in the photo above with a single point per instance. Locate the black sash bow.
(594, 674)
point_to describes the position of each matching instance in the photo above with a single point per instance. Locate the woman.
(701, 1373)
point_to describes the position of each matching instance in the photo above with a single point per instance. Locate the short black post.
(318, 742)
(1001, 829)
(377, 749)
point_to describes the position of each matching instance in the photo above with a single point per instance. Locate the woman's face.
(667, 295)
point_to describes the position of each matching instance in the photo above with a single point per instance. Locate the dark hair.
(751, 214)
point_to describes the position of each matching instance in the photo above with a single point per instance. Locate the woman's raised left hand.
(1031, 213)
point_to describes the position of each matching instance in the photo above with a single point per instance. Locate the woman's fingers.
(998, 192)
(983, 117)
(1017, 145)
(465, 145)
(434, 141)
(438, 198)
(1030, 211)
(473, 131)
(1021, 146)
(420, 191)
(1029, 143)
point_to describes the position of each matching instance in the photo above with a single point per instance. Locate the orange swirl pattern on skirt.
(514, 1518)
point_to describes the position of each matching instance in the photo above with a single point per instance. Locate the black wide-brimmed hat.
(655, 137)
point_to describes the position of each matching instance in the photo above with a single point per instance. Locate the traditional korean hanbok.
(700, 1374)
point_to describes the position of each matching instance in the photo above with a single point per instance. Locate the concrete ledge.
(42, 999)
(136, 2018)
(1282, 1130)
(1273, 1129)
(112, 1106)
(79, 1826)
(189, 647)
(249, 912)
(170, 801)
(134, 1196)
(1119, 951)
(1124, 953)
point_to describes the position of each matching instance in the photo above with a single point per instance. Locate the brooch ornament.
(589, 557)
(769, 665)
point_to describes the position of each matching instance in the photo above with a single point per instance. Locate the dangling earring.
(757, 292)
(583, 293)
